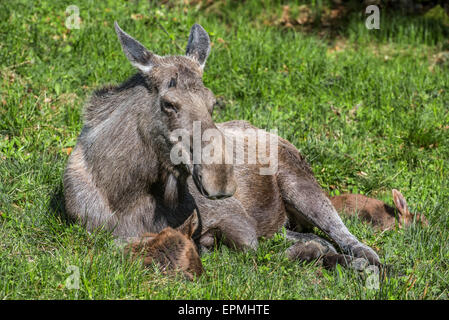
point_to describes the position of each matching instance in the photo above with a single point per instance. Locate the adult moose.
(120, 175)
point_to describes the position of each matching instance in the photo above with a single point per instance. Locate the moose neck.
(167, 184)
(170, 180)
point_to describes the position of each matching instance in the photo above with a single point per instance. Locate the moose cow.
(121, 177)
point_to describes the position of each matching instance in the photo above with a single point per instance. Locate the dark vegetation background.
(368, 108)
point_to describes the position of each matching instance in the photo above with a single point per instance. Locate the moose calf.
(381, 215)
(171, 249)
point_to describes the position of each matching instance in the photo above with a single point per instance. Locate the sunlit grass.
(368, 108)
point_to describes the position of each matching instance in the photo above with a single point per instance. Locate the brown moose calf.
(171, 249)
(378, 213)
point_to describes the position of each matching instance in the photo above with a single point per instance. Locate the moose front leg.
(234, 231)
(224, 220)
(304, 197)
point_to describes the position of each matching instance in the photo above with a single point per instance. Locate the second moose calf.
(378, 213)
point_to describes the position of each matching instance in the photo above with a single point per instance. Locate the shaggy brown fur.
(374, 211)
(171, 249)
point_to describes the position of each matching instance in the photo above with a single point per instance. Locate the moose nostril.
(222, 196)
(197, 171)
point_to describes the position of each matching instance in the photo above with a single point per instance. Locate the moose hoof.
(359, 264)
(365, 252)
(331, 260)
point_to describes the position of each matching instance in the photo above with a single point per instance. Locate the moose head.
(179, 101)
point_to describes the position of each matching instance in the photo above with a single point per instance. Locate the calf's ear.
(189, 226)
(400, 202)
(139, 56)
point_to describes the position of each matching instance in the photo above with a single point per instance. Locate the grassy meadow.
(369, 109)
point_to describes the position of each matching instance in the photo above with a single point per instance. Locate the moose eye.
(172, 83)
(168, 107)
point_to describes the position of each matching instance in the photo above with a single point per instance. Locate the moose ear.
(136, 53)
(198, 46)
(190, 225)
(400, 202)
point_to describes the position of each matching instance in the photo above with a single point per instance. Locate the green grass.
(368, 108)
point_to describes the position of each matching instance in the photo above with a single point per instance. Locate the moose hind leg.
(309, 247)
(304, 197)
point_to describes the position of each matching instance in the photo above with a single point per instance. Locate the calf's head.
(405, 216)
(179, 102)
(171, 249)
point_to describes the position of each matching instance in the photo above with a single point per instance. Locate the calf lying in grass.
(171, 249)
(381, 215)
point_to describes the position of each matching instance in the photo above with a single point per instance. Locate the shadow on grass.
(56, 205)
(427, 22)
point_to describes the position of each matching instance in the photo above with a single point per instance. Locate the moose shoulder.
(121, 176)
